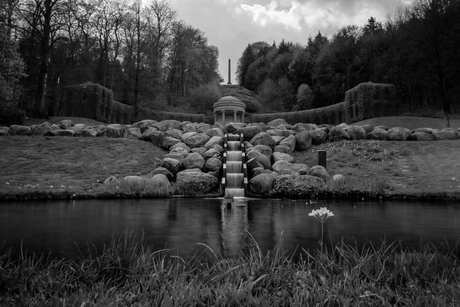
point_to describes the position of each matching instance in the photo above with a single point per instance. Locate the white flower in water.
(321, 214)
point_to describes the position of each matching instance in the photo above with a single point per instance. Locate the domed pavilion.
(229, 109)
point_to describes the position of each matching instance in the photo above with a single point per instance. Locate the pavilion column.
(234, 116)
(215, 116)
(223, 118)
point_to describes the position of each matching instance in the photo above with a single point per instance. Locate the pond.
(70, 227)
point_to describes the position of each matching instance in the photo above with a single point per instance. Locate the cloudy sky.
(231, 24)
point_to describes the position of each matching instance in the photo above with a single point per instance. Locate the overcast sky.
(231, 24)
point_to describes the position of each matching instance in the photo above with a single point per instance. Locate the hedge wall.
(94, 101)
(366, 100)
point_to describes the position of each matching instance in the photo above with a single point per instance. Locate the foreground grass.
(127, 273)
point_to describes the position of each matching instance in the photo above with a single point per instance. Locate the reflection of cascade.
(234, 223)
(234, 178)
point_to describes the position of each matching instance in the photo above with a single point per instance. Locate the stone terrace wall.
(366, 100)
(96, 102)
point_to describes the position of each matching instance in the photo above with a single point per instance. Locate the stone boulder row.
(132, 180)
(283, 133)
(337, 134)
(249, 131)
(421, 136)
(65, 123)
(211, 153)
(212, 165)
(284, 167)
(215, 132)
(278, 156)
(253, 163)
(220, 126)
(445, 134)
(197, 140)
(398, 134)
(283, 149)
(303, 140)
(263, 149)
(179, 147)
(112, 180)
(41, 129)
(151, 134)
(165, 125)
(77, 128)
(218, 148)
(277, 122)
(262, 183)
(4, 131)
(193, 160)
(215, 140)
(64, 133)
(424, 130)
(303, 126)
(200, 150)
(318, 136)
(19, 130)
(194, 183)
(290, 141)
(259, 157)
(259, 170)
(163, 171)
(356, 132)
(172, 165)
(56, 127)
(144, 125)
(203, 127)
(319, 171)
(178, 155)
(378, 134)
(134, 133)
(277, 139)
(263, 138)
(383, 127)
(190, 127)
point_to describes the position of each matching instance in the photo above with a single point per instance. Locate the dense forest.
(144, 53)
(417, 49)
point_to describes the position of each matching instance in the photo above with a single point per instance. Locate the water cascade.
(234, 180)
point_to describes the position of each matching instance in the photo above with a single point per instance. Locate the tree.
(243, 64)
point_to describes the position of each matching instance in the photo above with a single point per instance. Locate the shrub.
(204, 96)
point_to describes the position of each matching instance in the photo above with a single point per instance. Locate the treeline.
(141, 50)
(417, 49)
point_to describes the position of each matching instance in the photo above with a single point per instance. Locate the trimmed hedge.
(96, 102)
(366, 100)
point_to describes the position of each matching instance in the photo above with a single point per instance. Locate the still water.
(181, 224)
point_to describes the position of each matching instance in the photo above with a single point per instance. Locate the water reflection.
(180, 224)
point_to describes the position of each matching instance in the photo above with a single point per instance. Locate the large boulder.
(65, 123)
(179, 147)
(280, 132)
(259, 157)
(144, 125)
(134, 133)
(194, 183)
(421, 136)
(41, 129)
(284, 167)
(211, 153)
(398, 134)
(289, 141)
(19, 130)
(88, 132)
(233, 127)
(172, 165)
(303, 140)
(278, 156)
(215, 132)
(318, 136)
(163, 171)
(283, 149)
(161, 184)
(297, 186)
(303, 126)
(197, 140)
(264, 149)
(253, 163)
(213, 164)
(378, 134)
(152, 135)
(319, 171)
(193, 160)
(4, 130)
(356, 132)
(165, 125)
(64, 133)
(425, 130)
(277, 122)
(250, 131)
(215, 140)
(337, 133)
(115, 131)
(445, 134)
(165, 141)
(263, 138)
(261, 184)
(112, 180)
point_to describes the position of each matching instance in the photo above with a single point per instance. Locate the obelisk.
(229, 79)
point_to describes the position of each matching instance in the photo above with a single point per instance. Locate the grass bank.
(128, 273)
